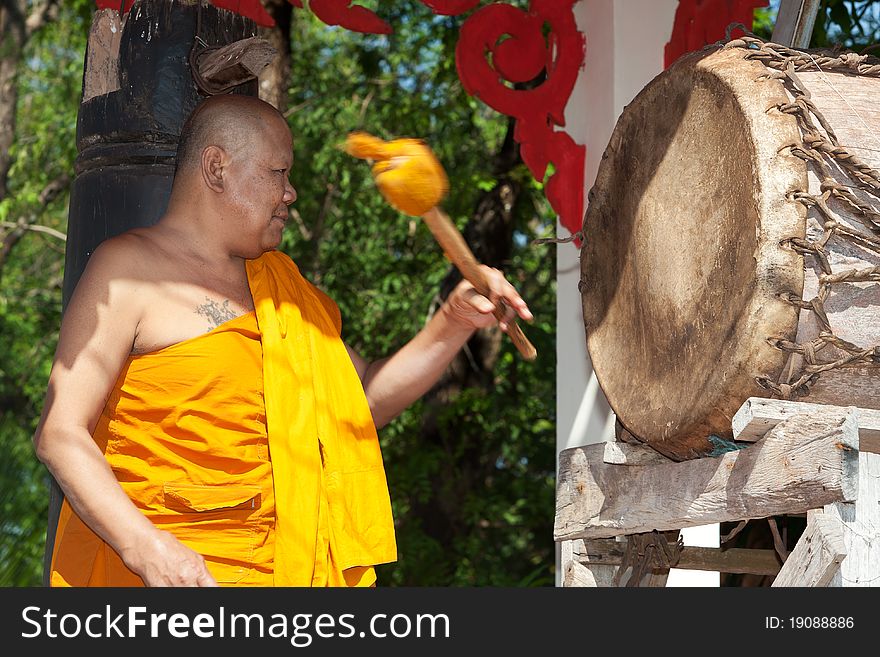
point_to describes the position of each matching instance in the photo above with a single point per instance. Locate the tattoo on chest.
(217, 313)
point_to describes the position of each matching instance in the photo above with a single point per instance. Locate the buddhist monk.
(204, 419)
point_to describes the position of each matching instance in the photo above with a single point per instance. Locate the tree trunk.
(16, 27)
(275, 79)
(13, 35)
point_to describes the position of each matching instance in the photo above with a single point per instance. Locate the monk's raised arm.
(96, 338)
(393, 383)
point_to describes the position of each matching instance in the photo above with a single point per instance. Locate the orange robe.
(189, 429)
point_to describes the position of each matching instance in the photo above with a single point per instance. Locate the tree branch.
(19, 228)
(37, 228)
(41, 14)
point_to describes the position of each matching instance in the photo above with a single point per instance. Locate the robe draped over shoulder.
(253, 444)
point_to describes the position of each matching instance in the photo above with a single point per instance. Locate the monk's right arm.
(96, 336)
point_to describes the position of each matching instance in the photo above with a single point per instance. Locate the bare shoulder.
(112, 283)
(119, 262)
(129, 251)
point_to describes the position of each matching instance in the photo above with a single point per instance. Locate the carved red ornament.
(110, 4)
(701, 22)
(351, 17)
(332, 12)
(519, 53)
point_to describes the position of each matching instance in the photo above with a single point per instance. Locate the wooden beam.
(816, 557)
(632, 454)
(758, 415)
(861, 528)
(580, 572)
(803, 463)
(794, 23)
(609, 551)
(578, 575)
(624, 453)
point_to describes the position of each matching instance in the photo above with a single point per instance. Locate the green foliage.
(474, 503)
(476, 506)
(849, 24)
(48, 86)
(764, 18)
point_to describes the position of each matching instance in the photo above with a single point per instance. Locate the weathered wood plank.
(803, 463)
(861, 528)
(580, 572)
(816, 557)
(758, 415)
(632, 454)
(609, 551)
(579, 575)
(794, 23)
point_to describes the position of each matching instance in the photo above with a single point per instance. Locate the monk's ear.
(214, 168)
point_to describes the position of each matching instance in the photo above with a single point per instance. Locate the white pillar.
(624, 51)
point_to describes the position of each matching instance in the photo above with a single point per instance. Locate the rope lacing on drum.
(820, 149)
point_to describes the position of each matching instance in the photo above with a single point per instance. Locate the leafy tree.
(470, 467)
(47, 74)
(850, 24)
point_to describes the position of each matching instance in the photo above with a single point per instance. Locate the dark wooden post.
(137, 91)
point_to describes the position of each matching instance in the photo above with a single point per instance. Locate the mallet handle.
(457, 250)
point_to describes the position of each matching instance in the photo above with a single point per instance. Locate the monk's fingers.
(190, 572)
(207, 579)
(477, 301)
(197, 573)
(171, 563)
(505, 315)
(503, 295)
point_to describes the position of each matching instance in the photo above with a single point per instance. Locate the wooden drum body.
(727, 252)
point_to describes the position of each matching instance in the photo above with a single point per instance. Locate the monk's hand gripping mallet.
(412, 180)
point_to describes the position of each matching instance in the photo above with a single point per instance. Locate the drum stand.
(619, 505)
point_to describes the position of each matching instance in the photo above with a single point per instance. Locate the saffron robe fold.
(188, 431)
(317, 413)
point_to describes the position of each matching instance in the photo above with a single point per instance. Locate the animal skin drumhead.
(681, 268)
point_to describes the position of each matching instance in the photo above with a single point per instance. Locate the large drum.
(731, 243)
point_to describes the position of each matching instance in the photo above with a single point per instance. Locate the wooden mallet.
(413, 181)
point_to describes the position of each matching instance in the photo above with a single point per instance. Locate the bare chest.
(176, 311)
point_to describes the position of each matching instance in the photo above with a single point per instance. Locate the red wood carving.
(520, 51)
(110, 4)
(523, 45)
(351, 17)
(701, 22)
(332, 12)
(252, 9)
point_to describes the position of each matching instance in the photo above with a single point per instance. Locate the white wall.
(624, 51)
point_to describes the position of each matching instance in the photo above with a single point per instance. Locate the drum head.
(682, 268)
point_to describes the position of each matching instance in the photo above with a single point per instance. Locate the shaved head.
(228, 121)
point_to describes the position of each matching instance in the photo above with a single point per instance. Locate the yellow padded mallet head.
(408, 174)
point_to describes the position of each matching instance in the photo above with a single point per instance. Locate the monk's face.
(260, 189)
